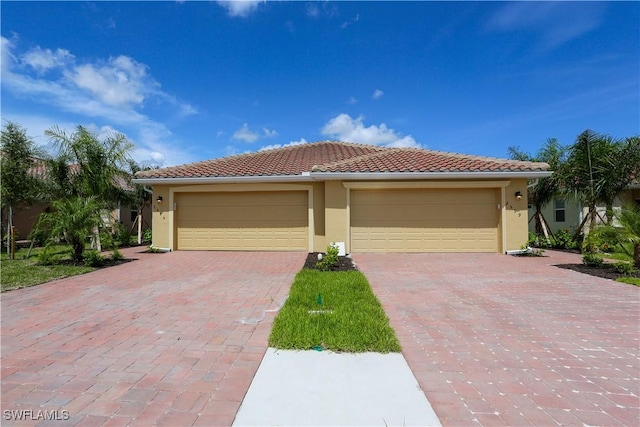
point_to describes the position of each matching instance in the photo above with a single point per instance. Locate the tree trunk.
(636, 254)
(9, 231)
(609, 214)
(139, 219)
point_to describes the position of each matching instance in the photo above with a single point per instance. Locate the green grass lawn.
(333, 310)
(22, 272)
(629, 280)
(619, 256)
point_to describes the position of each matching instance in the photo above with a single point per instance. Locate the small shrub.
(152, 249)
(93, 258)
(593, 260)
(329, 260)
(116, 255)
(529, 251)
(563, 240)
(146, 236)
(121, 236)
(624, 268)
(45, 257)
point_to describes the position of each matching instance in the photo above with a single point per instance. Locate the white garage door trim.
(235, 188)
(382, 185)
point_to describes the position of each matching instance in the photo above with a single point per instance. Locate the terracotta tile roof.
(417, 160)
(333, 156)
(292, 160)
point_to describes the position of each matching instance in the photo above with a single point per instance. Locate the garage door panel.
(243, 221)
(434, 220)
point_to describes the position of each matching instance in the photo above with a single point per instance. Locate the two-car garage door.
(380, 220)
(267, 220)
(424, 220)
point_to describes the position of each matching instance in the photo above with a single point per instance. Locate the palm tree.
(544, 189)
(598, 168)
(96, 168)
(71, 220)
(89, 168)
(627, 231)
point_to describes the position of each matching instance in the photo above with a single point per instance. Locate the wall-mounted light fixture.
(159, 199)
(519, 195)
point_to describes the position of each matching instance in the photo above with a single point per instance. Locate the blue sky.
(188, 81)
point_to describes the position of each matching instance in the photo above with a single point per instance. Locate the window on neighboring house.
(559, 210)
(134, 214)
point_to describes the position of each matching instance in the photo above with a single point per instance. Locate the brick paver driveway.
(500, 340)
(155, 341)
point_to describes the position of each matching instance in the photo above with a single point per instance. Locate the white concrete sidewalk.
(311, 388)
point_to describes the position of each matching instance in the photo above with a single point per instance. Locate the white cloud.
(345, 128)
(269, 133)
(292, 143)
(352, 100)
(556, 22)
(43, 60)
(247, 135)
(121, 82)
(241, 8)
(109, 91)
(377, 94)
(345, 24)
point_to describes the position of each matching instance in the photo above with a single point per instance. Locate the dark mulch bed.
(344, 263)
(106, 263)
(607, 272)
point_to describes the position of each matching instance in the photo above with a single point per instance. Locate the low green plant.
(121, 236)
(329, 259)
(146, 236)
(592, 259)
(527, 250)
(45, 257)
(152, 249)
(92, 258)
(624, 268)
(116, 255)
(562, 239)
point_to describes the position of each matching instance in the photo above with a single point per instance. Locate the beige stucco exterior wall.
(329, 217)
(336, 213)
(319, 242)
(516, 216)
(162, 217)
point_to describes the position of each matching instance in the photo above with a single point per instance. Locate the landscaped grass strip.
(333, 310)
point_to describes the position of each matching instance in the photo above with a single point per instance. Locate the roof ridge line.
(385, 150)
(473, 156)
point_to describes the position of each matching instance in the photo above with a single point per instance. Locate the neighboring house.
(26, 217)
(371, 199)
(566, 213)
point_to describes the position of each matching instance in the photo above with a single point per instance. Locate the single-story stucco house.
(566, 213)
(370, 198)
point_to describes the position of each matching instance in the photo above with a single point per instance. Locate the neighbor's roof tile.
(332, 156)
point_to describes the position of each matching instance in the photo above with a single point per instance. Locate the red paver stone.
(148, 342)
(517, 340)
